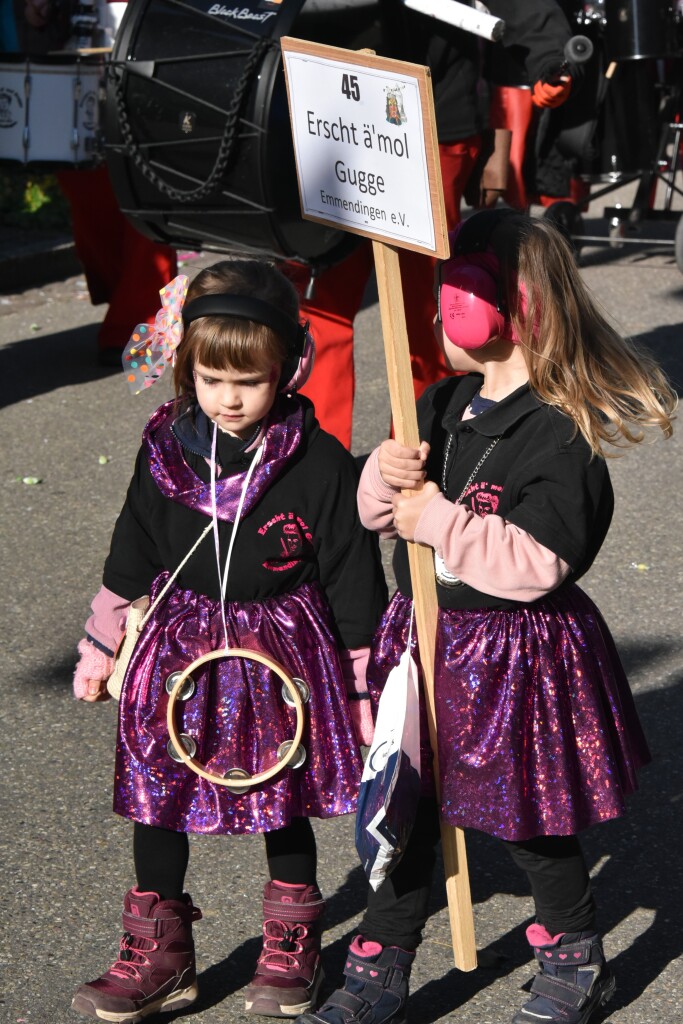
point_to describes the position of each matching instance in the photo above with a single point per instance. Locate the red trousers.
(122, 266)
(512, 108)
(338, 296)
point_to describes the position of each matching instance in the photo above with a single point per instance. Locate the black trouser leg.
(161, 858)
(560, 884)
(396, 914)
(291, 852)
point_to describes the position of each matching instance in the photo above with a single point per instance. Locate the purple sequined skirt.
(537, 729)
(237, 716)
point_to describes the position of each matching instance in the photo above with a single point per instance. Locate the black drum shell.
(254, 206)
(639, 29)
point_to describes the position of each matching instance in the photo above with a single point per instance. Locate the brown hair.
(577, 360)
(224, 342)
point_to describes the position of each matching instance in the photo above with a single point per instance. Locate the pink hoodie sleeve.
(107, 624)
(354, 665)
(488, 553)
(375, 499)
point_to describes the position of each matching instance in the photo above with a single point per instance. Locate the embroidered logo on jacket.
(289, 531)
(483, 498)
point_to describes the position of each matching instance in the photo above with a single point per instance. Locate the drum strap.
(142, 161)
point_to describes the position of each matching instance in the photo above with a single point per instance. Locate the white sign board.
(365, 144)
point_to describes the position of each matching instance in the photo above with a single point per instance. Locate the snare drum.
(49, 111)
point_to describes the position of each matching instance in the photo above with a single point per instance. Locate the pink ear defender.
(295, 372)
(470, 302)
(467, 304)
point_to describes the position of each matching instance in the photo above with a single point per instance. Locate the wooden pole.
(424, 586)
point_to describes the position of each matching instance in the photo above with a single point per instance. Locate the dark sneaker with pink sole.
(573, 982)
(375, 987)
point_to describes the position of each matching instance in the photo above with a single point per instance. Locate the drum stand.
(625, 222)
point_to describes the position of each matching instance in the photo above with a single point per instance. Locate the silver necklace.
(443, 576)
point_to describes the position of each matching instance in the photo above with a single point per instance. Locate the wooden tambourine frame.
(238, 783)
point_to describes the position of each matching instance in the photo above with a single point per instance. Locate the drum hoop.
(225, 146)
(193, 763)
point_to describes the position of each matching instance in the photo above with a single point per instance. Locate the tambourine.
(238, 780)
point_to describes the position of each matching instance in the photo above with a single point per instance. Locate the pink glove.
(551, 94)
(354, 666)
(92, 671)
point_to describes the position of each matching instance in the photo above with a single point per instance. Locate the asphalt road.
(73, 429)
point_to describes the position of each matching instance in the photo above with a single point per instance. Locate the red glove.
(551, 94)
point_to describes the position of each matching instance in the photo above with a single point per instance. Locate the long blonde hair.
(577, 361)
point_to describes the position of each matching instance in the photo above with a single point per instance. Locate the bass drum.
(197, 131)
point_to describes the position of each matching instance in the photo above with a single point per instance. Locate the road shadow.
(43, 363)
(666, 346)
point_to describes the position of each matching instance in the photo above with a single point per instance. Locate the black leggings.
(161, 857)
(397, 913)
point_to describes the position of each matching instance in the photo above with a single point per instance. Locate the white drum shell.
(49, 112)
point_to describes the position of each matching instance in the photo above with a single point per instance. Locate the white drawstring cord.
(223, 577)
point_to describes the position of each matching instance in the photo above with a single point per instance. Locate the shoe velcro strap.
(343, 1000)
(361, 969)
(559, 991)
(296, 913)
(572, 954)
(143, 927)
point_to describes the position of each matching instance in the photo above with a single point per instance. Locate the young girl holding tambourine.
(238, 488)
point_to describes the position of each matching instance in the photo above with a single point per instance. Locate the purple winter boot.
(574, 979)
(156, 967)
(375, 988)
(289, 972)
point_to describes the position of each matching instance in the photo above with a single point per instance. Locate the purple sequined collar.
(179, 482)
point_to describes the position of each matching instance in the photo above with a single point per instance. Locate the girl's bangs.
(247, 347)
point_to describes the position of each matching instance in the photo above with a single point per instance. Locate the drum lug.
(310, 287)
(144, 68)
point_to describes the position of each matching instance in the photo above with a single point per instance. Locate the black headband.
(500, 231)
(244, 307)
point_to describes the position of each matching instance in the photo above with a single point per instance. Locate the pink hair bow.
(151, 349)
